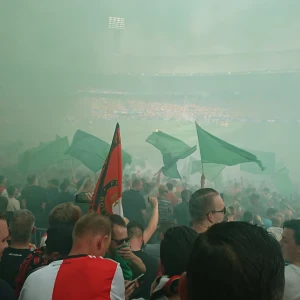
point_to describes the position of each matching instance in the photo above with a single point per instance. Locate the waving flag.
(107, 196)
(215, 150)
(92, 151)
(172, 150)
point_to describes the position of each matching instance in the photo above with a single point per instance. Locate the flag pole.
(202, 177)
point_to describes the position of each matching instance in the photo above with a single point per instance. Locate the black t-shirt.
(182, 214)
(53, 195)
(10, 263)
(35, 196)
(133, 203)
(151, 265)
(6, 291)
(65, 197)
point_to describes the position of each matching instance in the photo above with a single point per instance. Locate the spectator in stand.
(3, 191)
(171, 196)
(21, 227)
(234, 261)
(290, 245)
(255, 205)
(181, 211)
(84, 274)
(65, 195)
(136, 241)
(133, 202)
(33, 196)
(119, 250)
(175, 250)
(276, 228)
(57, 242)
(6, 291)
(165, 209)
(154, 249)
(13, 204)
(206, 208)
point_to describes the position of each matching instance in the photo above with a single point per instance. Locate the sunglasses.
(218, 211)
(120, 242)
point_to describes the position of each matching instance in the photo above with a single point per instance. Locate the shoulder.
(6, 291)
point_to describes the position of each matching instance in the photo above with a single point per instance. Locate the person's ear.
(183, 292)
(33, 230)
(103, 244)
(210, 218)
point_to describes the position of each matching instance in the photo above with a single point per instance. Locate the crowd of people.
(148, 110)
(173, 241)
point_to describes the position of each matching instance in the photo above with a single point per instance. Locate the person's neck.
(79, 249)
(201, 227)
(17, 245)
(135, 245)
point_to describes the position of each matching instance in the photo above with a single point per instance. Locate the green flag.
(211, 171)
(267, 159)
(172, 149)
(45, 155)
(215, 150)
(92, 151)
(283, 183)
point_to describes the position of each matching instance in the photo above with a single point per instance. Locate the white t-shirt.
(13, 204)
(292, 286)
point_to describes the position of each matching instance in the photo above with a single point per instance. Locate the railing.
(39, 232)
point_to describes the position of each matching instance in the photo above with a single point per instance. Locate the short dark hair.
(244, 259)
(11, 190)
(31, 179)
(170, 186)
(135, 229)
(117, 220)
(186, 195)
(248, 217)
(201, 203)
(59, 239)
(175, 249)
(21, 226)
(136, 182)
(294, 224)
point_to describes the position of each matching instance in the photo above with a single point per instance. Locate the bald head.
(91, 235)
(137, 184)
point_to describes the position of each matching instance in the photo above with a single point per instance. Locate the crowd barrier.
(39, 232)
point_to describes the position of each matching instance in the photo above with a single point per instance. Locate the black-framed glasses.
(122, 241)
(218, 211)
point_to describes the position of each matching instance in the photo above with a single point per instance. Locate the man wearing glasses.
(120, 251)
(206, 209)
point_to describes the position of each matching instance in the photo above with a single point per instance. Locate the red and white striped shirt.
(76, 278)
